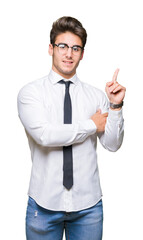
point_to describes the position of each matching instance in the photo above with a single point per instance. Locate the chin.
(68, 73)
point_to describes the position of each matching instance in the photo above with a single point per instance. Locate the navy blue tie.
(67, 150)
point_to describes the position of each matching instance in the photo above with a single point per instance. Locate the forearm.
(54, 135)
(112, 137)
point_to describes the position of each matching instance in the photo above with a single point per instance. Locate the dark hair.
(69, 24)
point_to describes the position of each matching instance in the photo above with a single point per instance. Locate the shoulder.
(32, 88)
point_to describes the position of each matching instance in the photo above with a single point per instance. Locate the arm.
(33, 117)
(110, 126)
(111, 135)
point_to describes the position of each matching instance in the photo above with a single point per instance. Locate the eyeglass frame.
(57, 45)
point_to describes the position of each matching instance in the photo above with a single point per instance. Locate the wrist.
(116, 107)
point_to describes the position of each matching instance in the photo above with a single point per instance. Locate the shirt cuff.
(115, 115)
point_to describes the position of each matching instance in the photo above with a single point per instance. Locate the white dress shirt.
(41, 110)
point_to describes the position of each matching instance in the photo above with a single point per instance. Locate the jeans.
(43, 224)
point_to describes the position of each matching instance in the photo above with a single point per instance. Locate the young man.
(63, 117)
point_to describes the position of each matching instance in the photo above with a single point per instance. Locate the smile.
(68, 62)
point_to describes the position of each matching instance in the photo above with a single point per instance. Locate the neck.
(65, 76)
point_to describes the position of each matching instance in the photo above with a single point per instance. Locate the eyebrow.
(75, 45)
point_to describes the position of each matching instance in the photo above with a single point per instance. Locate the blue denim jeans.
(43, 224)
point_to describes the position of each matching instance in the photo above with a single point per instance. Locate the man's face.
(65, 64)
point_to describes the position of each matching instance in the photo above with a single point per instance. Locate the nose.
(69, 53)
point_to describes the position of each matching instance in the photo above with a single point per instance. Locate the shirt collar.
(55, 77)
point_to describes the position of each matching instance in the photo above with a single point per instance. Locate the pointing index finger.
(114, 79)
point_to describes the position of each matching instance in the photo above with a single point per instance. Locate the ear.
(50, 51)
(82, 55)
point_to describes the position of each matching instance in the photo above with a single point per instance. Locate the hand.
(114, 90)
(99, 120)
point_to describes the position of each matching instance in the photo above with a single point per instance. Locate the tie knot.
(67, 83)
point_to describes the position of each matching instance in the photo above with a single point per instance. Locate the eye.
(76, 48)
(62, 45)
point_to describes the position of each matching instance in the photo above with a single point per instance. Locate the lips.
(68, 62)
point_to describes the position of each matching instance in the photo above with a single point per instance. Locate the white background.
(115, 39)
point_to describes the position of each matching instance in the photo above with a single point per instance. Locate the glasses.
(63, 48)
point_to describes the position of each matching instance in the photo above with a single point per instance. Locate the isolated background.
(115, 39)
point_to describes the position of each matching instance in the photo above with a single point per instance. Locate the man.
(63, 117)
